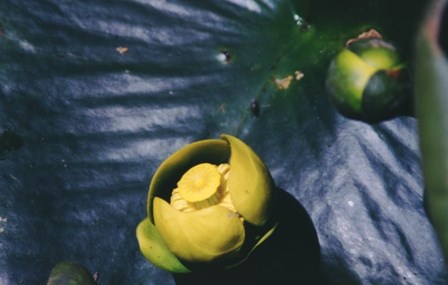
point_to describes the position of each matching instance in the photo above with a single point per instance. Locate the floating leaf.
(96, 125)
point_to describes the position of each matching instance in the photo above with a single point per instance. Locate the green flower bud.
(368, 81)
(209, 204)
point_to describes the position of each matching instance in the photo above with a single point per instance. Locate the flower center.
(202, 186)
(199, 183)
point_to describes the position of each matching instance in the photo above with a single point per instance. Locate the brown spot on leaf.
(122, 49)
(298, 75)
(283, 83)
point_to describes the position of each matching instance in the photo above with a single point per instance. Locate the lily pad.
(101, 92)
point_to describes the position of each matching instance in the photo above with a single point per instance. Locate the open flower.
(209, 203)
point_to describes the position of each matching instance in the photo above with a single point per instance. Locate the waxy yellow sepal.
(250, 183)
(210, 233)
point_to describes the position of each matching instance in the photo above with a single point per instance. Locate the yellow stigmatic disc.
(199, 183)
(221, 196)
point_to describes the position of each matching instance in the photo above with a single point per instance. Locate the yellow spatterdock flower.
(209, 203)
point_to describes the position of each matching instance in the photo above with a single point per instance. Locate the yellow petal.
(198, 236)
(154, 249)
(250, 183)
(215, 151)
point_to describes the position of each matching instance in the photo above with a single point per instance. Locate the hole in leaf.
(225, 56)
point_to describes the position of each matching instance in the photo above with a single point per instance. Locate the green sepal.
(347, 77)
(155, 250)
(376, 52)
(385, 95)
